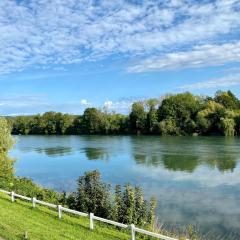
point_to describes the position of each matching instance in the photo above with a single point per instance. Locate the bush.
(126, 205)
(28, 188)
(168, 127)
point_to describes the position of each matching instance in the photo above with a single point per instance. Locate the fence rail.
(22, 197)
(110, 222)
(91, 216)
(74, 212)
(45, 203)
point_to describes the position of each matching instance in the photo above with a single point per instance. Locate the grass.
(43, 223)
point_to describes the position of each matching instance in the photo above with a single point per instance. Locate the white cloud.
(21, 114)
(84, 102)
(108, 104)
(226, 81)
(199, 56)
(202, 175)
(45, 33)
(121, 106)
(25, 105)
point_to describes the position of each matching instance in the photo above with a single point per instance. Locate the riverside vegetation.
(180, 114)
(126, 205)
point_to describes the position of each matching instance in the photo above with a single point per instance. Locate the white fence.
(91, 216)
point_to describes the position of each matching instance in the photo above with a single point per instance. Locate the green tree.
(138, 118)
(93, 195)
(6, 163)
(21, 125)
(35, 125)
(152, 116)
(117, 123)
(64, 123)
(128, 205)
(169, 127)
(152, 211)
(92, 121)
(182, 109)
(228, 126)
(118, 209)
(215, 118)
(77, 125)
(237, 122)
(140, 212)
(48, 123)
(227, 99)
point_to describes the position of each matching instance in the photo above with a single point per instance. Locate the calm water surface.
(195, 179)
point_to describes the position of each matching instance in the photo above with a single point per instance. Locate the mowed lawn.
(43, 223)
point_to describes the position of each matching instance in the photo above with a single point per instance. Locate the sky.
(67, 55)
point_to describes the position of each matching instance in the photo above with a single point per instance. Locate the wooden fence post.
(133, 237)
(33, 202)
(91, 220)
(59, 211)
(12, 196)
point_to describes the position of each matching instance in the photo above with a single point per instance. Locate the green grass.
(43, 223)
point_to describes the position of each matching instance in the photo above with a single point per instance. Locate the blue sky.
(66, 55)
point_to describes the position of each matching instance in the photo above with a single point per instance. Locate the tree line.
(179, 114)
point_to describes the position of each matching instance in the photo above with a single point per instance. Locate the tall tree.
(6, 163)
(64, 123)
(182, 109)
(152, 116)
(237, 122)
(140, 208)
(93, 195)
(138, 118)
(118, 204)
(215, 118)
(152, 211)
(227, 99)
(128, 205)
(92, 121)
(48, 123)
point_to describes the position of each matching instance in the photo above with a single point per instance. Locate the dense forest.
(180, 114)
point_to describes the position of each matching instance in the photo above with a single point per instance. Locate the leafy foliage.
(180, 114)
(138, 118)
(216, 118)
(6, 163)
(227, 99)
(127, 205)
(93, 195)
(27, 187)
(6, 140)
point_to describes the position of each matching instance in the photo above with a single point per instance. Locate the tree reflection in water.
(96, 153)
(174, 154)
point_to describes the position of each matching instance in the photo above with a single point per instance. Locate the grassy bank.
(43, 223)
